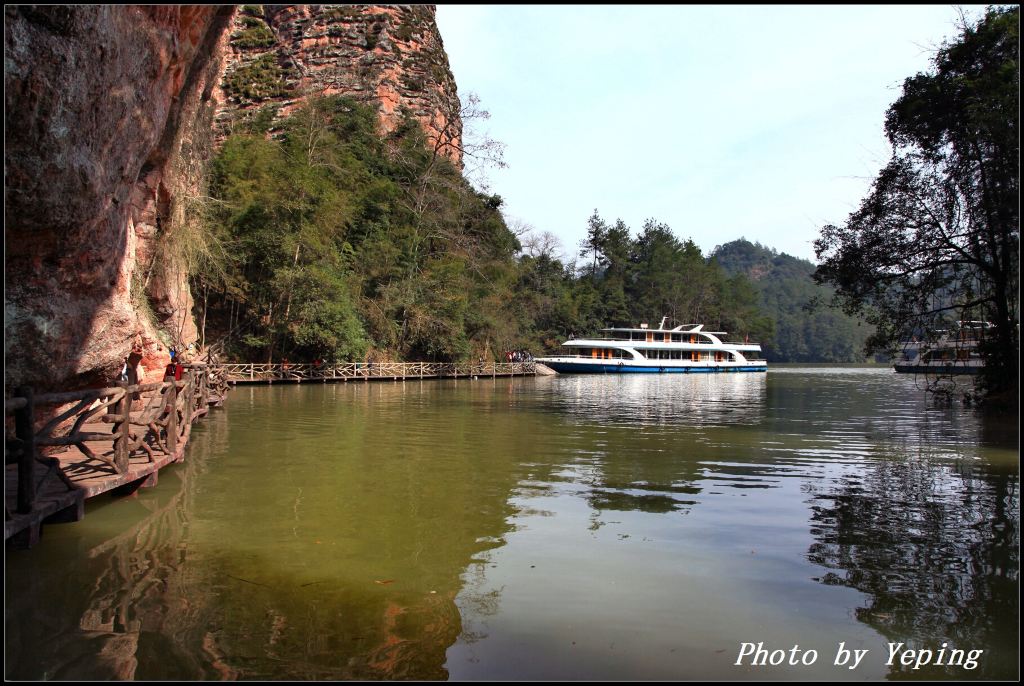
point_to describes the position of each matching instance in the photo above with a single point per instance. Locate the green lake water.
(573, 527)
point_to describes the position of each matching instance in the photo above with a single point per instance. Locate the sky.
(723, 122)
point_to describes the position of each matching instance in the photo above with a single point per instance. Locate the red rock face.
(102, 106)
(390, 56)
(110, 116)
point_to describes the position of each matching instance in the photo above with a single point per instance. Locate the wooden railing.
(144, 419)
(344, 371)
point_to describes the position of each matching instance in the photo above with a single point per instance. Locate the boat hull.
(616, 368)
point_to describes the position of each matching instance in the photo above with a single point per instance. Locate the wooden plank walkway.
(375, 371)
(90, 449)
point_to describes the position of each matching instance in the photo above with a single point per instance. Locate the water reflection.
(659, 399)
(630, 527)
(936, 549)
(308, 549)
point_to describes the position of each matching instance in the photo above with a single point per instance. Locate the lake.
(629, 527)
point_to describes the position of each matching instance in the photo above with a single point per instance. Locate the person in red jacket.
(173, 369)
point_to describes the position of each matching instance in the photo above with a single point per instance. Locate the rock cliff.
(391, 56)
(111, 113)
(108, 113)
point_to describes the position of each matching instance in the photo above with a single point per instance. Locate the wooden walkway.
(117, 439)
(375, 371)
(87, 448)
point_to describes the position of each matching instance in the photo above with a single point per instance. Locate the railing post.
(190, 394)
(121, 429)
(204, 386)
(172, 418)
(25, 432)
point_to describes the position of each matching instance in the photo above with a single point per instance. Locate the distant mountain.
(806, 328)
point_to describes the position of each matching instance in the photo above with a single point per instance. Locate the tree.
(593, 244)
(938, 237)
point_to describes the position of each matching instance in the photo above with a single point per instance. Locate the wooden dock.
(87, 448)
(372, 371)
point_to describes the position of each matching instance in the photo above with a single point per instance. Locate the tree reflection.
(936, 549)
(341, 568)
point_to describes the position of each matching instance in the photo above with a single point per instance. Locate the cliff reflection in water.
(350, 574)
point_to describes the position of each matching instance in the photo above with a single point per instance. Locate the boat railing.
(656, 340)
(581, 357)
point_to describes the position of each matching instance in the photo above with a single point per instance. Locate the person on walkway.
(173, 371)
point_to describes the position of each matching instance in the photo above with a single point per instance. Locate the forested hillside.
(806, 328)
(326, 239)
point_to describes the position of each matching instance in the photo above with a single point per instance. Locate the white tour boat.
(950, 352)
(686, 348)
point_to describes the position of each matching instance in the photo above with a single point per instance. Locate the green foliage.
(804, 330)
(257, 35)
(624, 281)
(938, 238)
(257, 121)
(404, 32)
(257, 80)
(341, 13)
(343, 240)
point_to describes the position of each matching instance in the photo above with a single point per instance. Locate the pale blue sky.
(723, 121)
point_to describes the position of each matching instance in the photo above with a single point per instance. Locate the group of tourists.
(132, 374)
(518, 356)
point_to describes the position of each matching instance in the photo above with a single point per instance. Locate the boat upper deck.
(679, 337)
